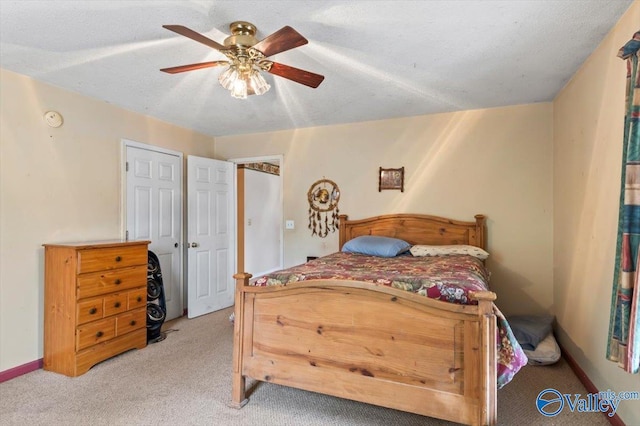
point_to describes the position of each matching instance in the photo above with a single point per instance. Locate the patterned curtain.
(624, 326)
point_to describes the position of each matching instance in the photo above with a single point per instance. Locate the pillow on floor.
(547, 352)
(530, 330)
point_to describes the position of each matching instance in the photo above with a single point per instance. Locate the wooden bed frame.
(374, 344)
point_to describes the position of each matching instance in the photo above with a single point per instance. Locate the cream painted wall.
(495, 161)
(588, 132)
(59, 185)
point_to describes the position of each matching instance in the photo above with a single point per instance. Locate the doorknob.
(176, 245)
(194, 245)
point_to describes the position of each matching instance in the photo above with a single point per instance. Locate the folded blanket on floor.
(530, 330)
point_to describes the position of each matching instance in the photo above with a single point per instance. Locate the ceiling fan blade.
(194, 36)
(295, 74)
(191, 67)
(285, 38)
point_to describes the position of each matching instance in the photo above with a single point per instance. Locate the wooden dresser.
(94, 303)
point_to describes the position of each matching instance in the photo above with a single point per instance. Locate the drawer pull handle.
(92, 311)
(117, 305)
(133, 322)
(99, 334)
(139, 299)
(118, 258)
(118, 281)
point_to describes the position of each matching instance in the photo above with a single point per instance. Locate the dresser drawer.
(101, 307)
(130, 321)
(95, 332)
(96, 284)
(115, 304)
(89, 310)
(92, 260)
(137, 298)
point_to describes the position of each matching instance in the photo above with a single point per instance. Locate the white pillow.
(422, 250)
(547, 352)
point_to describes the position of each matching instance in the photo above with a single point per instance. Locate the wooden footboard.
(369, 343)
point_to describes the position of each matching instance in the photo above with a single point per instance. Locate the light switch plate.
(289, 224)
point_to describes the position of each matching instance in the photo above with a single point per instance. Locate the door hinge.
(126, 166)
(126, 235)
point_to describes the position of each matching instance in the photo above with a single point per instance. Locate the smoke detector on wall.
(53, 118)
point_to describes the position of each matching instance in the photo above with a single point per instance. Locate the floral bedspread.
(446, 278)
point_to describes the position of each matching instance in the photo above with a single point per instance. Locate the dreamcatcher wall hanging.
(323, 207)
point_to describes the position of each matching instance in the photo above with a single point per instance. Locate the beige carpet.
(186, 380)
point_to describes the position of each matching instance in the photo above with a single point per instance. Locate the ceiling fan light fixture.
(239, 89)
(258, 83)
(243, 83)
(228, 77)
(246, 57)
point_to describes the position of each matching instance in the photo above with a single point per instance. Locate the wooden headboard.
(416, 229)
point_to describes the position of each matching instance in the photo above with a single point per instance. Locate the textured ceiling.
(380, 59)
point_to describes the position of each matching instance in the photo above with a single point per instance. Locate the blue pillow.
(376, 246)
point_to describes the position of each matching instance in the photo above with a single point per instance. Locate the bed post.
(238, 398)
(342, 223)
(481, 231)
(488, 332)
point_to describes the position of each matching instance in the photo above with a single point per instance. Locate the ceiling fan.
(246, 57)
